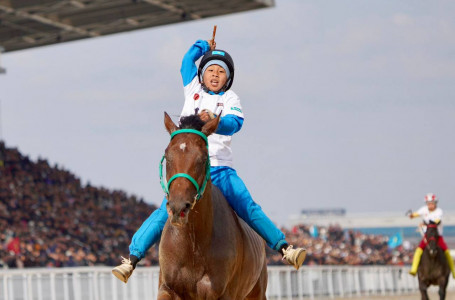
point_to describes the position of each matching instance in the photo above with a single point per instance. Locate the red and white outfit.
(432, 216)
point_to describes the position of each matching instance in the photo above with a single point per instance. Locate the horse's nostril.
(185, 210)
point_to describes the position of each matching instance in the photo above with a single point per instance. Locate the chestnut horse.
(206, 250)
(433, 267)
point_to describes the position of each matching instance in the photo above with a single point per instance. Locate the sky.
(348, 104)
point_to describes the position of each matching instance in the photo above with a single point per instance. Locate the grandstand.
(48, 218)
(27, 23)
(66, 233)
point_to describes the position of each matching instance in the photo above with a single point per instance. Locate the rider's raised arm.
(188, 70)
(420, 212)
(414, 215)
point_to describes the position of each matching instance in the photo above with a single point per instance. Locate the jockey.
(207, 93)
(430, 213)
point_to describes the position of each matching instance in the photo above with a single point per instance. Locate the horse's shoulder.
(223, 212)
(218, 198)
(224, 217)
(221, 205)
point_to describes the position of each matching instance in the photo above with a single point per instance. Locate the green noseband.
(200, 190)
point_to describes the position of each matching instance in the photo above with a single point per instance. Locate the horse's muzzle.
(178, 212)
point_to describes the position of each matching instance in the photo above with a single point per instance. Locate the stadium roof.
(31, 23)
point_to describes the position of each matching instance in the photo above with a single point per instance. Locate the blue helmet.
(225, 58)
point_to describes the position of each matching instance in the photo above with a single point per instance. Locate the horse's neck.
(439, 251)
(202, 217)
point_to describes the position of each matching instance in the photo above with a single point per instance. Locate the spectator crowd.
(48, 218)
(334, 246)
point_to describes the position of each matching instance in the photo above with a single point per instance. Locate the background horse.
(433, 267)
(206, 251)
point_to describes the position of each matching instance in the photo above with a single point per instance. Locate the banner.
(395, 240)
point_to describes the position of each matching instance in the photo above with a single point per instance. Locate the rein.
(199, 189)
(433, 238)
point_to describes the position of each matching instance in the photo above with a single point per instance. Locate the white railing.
(97, 283)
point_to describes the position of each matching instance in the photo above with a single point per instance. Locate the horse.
(206, 250)
(433, 268)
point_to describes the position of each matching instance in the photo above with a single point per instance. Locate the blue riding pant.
(237, 195)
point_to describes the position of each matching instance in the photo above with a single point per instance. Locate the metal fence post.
(5, 287)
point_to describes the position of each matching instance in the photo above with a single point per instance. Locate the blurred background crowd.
(334, 246)
(48, 218)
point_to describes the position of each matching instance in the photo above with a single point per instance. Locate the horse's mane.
(191, 122)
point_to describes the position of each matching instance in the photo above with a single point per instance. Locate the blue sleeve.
(229, 125)
(189, 69)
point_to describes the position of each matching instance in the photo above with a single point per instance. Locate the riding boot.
(125, 270)
(450, 261)
(295, 257)
(416, 261)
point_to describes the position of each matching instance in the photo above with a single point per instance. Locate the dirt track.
(433, 296)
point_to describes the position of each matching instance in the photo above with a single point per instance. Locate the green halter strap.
(200, 190)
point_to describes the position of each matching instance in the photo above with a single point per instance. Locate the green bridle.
(200, 190)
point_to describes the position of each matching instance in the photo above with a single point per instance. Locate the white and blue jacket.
(225, 103)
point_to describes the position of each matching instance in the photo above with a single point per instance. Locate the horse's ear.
(211, 126)
(170, 126)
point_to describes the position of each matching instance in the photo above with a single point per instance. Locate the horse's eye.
(202, 159)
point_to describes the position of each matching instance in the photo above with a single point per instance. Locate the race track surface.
(416, 296)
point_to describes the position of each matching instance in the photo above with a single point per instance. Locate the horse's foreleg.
(258, 292)
(423, 290)
(442, 288)
(442, 293)
(164, 293)
(424, 295)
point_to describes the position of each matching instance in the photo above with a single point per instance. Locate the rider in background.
(207, 93)
(430, 213)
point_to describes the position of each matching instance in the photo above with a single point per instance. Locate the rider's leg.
(450, 262)
(238, 196)
(446, 250)
(416, 261)
(150, 231)
(147, 235)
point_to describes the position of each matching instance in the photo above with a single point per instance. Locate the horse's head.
(432, 236)
(187, 164)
